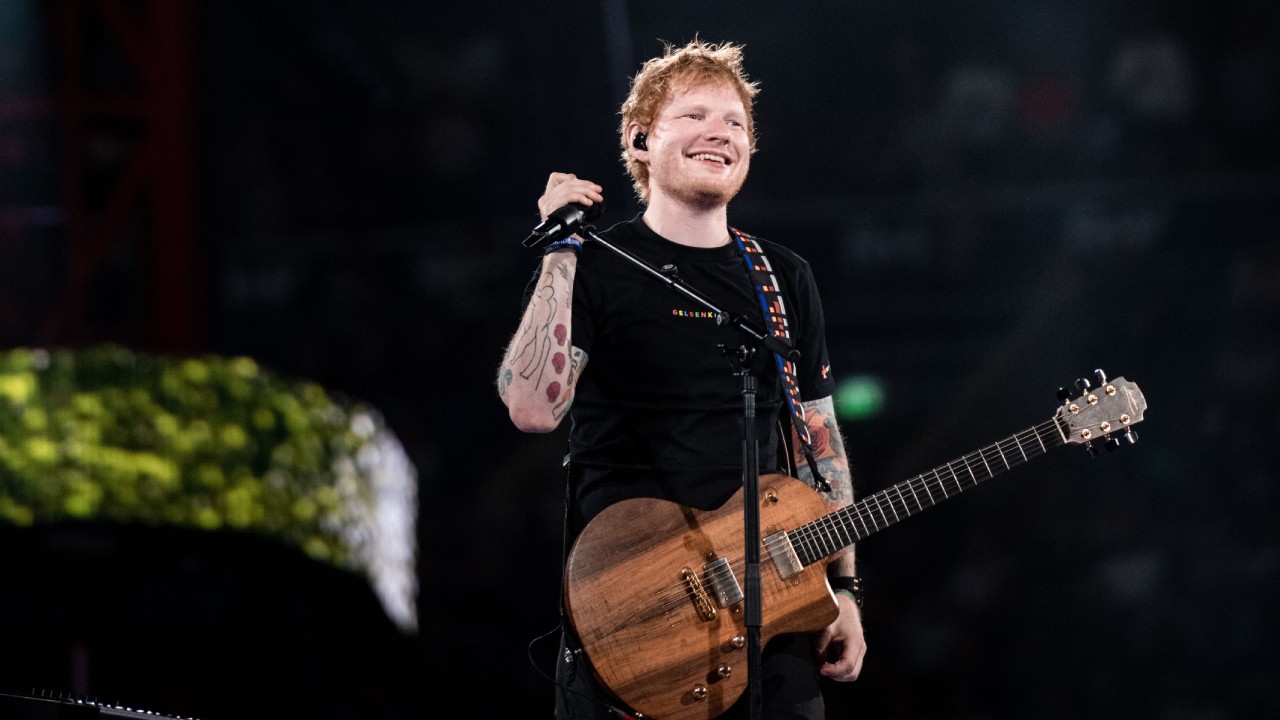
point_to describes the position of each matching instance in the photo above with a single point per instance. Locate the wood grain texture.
(637, 620)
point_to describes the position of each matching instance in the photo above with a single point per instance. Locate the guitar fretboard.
(877, 511)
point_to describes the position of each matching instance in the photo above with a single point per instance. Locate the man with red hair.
(656, 407)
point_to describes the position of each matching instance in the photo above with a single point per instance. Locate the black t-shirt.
(658, 410)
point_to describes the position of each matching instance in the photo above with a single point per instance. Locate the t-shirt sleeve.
(813, 370)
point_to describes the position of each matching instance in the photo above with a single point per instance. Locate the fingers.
(840, 652)
(844, 668)
(565, 188)
(823, 642)
(557, 178)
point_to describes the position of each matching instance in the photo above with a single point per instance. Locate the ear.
(637, 141)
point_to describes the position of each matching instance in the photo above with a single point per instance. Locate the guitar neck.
(873, 513)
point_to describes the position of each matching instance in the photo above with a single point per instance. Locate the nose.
(718, 129)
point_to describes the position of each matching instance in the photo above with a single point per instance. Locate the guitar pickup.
(723, 582)
(783, 554)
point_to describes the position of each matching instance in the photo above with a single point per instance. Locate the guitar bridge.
(701, 600)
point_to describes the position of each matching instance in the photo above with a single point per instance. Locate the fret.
(857, 516)
(1021, 451)
(912, 488)
(990, 473)
(919, 504)
(884, 517)
(890, 500)
(942, 483)
(1040, 440)
(830, 544)
(1003, 458)
(970, 469)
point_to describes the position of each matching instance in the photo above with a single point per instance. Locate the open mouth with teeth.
(708, 157)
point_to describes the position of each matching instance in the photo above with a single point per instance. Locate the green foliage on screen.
(215, 443)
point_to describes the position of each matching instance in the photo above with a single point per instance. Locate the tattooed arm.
(540, 367)
(841, 646)
(828, 450)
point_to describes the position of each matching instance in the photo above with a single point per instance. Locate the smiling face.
(699, 147)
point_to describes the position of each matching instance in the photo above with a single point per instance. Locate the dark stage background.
(997, 198)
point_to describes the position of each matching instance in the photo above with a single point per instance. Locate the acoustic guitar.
(654, 590)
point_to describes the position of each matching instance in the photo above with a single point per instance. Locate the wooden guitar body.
(639, 598)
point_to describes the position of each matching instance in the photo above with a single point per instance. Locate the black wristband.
(851, 585)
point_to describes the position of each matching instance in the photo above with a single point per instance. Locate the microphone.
(564, 222)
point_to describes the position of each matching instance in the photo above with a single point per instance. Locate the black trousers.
(789, 684)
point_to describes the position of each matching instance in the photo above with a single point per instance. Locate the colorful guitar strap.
(775, 317)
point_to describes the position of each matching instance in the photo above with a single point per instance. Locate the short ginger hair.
(697, 63)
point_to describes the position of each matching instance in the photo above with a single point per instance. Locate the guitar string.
(927, 482)
(1027, 444)
(817, 534)
(818, 539)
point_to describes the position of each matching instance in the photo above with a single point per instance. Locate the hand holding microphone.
(566, 206)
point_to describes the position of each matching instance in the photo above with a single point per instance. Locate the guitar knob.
(1112, 444)
(1064, 394)
(1083, 384)
(1101, 376)
(1089, 448)
(1131, 436)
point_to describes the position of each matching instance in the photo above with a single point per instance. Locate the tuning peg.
(1112, 444)
(1083, 384)
(1064, 394)
(1131, 436)
(1101, 376)
(1089, 448)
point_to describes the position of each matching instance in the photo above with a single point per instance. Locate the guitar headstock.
(1097, 413)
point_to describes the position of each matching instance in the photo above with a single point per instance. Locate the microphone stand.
(753, 615)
